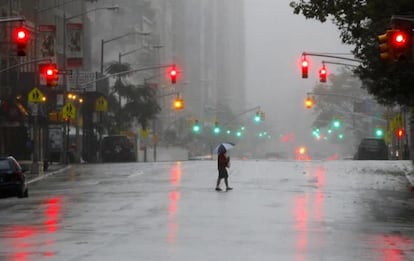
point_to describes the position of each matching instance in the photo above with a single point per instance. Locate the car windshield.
(371, 143)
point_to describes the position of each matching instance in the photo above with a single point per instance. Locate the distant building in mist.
(205, 38)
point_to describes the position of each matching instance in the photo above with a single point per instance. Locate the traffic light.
(379, 132)
(196, 127)
(20, 38)
(401, 45)
(395, 45)
(385, 46)
(257, 116)
(216, 129)
(309, 102)
(305, 67)
(178, 103)
(262, 116)
(173, 74)
(336, 123)
(400, 133)
(322, 74)
(51, 74)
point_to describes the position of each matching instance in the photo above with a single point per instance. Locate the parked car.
(117, 148)
(372, 149)
(12, 178)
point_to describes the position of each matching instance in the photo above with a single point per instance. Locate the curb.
(49, 174)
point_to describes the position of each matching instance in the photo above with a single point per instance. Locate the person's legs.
(226, 177)
(218, 182)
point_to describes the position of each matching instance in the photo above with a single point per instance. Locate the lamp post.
(103, 42)
(64, 67)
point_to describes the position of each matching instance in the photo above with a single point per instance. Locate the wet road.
(338, 210)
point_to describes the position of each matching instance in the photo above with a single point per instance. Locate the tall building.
(208, 43)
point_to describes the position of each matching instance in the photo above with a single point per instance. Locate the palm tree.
(140, 100)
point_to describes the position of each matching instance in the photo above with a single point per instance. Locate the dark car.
(117, 148)
(372, 149)
(12, 178)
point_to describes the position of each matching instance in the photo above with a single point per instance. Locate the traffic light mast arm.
(12, 19)
(83, 86)
(402, 18)
(240, 114)
(331, 56)
(168, 94)
(334, 94)
(25, 63)
(345, 64)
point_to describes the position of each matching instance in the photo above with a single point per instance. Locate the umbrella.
(223, 147)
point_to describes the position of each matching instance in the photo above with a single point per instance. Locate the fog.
(275, 40)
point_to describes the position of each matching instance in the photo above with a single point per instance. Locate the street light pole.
(65, 20)
(103, 42)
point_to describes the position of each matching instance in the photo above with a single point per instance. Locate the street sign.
(69, 111)
(101, 104)
(35, 95)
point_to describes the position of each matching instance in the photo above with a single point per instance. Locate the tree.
(360, 22)
(128, 102)
(338, 100)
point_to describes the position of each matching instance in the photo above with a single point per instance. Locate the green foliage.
(360, 22)
(128, 101)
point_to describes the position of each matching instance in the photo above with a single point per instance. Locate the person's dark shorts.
(223, 173)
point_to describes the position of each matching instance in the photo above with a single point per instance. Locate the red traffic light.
(51, 74)
(173, 73)
(21, 35)
(322, 74)
(305, 68)
(20, 38)
(399, 39)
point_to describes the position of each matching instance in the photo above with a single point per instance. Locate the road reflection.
(174, 197)
(391, 247)
(308, 208)
(26, 241)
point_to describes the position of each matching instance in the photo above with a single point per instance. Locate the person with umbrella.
(223, 162)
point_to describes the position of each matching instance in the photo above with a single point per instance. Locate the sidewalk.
(51, 170)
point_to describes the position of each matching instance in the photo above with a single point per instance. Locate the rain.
(204, 130)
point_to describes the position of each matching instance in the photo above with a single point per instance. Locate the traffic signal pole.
(240, 114)
(12, 19)
(331, 56)
(25, 63)
(84, 86)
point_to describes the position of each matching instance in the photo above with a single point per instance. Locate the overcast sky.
(275, 41)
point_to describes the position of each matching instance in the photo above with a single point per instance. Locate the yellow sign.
(144, 133)
(101, 104)
(35, 95)
(69, 111)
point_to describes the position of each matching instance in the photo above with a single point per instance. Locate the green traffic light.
(379, 132)
(196, 128)
(337, 123)
(216, 130)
